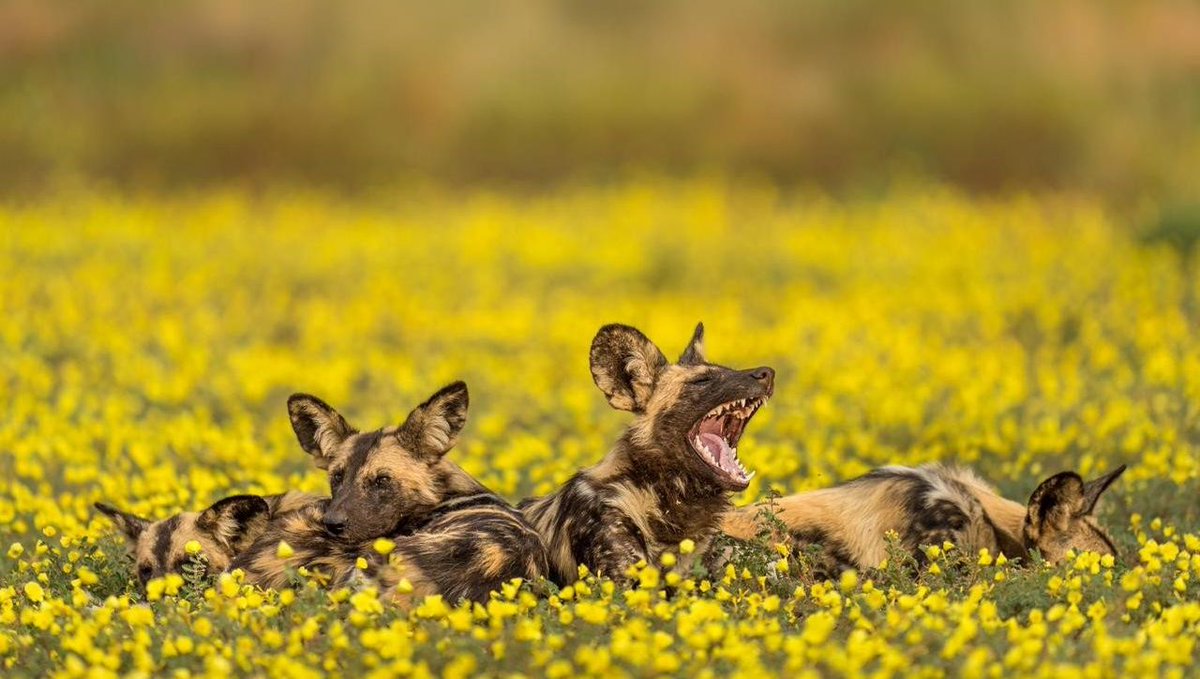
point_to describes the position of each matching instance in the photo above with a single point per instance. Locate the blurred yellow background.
(1097, 97)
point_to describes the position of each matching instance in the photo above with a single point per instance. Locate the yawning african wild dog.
(670, 475)
(222, 531)
(933, 504)
(452, 536)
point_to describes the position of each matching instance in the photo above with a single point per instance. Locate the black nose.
(766, 376)
(334, 523)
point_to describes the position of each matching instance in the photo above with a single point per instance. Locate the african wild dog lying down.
(222, 530)
(452, 536)
(933, 504)
(670, 475)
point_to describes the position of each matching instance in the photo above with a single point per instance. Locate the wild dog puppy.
(670, 476)
(933, 504)
(222, 530)
(452, 535)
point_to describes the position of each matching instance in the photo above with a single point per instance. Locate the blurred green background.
(1100, 97)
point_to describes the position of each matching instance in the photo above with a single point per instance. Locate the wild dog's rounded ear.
(1094, 488)
(318, 427)
(694, 353)
(432, 428)
(236, 521)
(625, 365)
(1053, 504)
(132, 526)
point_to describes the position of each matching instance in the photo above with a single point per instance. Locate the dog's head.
(380, 478)
(1062, 516)
(690, 414)
(222, 530)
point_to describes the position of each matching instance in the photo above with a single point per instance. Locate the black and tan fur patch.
(465, 549)
(223, 530)
(654, 489)
(928, 506)
(453, 536)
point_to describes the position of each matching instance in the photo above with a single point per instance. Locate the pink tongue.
(717, 447)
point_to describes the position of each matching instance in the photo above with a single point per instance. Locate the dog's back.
(465, 549)
(926, 505)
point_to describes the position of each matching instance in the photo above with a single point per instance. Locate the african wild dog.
(930, 505)
(670, 476)
(452, 535)
(222, 530)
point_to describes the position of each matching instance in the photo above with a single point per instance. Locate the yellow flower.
(155, 589)
(34, 592)
(591, 612)
(202, 627)
(87, 577)
(433, 607)
(228, 586)
(384, 546)
(284, 550)
(365, 601)
(138, 616)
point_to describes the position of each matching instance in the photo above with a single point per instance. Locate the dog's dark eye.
(701, 380)
(382, 481)
(335, 479)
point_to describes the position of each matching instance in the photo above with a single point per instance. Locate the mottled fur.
(222, 530)
(930, 505)
(652, 490)
(464, 549)
(453, 536)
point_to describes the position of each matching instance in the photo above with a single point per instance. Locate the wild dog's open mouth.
(715, 438)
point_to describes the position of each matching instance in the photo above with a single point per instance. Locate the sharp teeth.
(750, 475)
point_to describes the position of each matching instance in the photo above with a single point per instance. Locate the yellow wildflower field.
(148, 346)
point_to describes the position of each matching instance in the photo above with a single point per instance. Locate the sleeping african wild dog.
(930, 505)
(452, 536)
(222, 530)
(670, 475)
